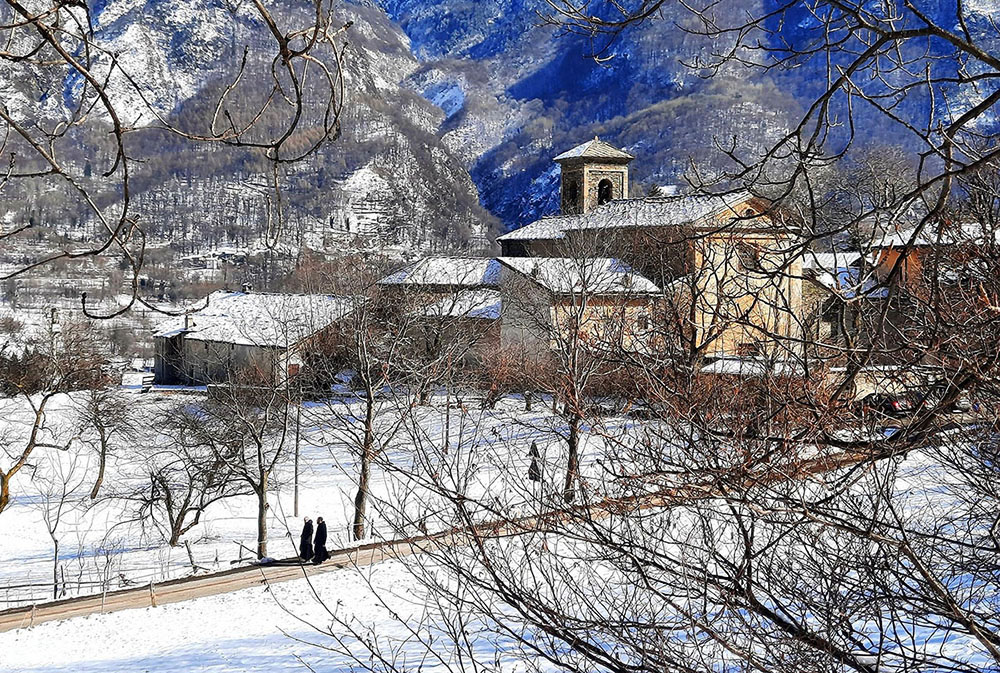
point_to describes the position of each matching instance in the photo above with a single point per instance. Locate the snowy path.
(185, 589)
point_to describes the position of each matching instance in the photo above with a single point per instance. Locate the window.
(748, 256)
(748, 349)
(605, 191)
(572, 193)
(643, 322)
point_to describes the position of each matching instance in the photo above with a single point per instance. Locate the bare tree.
(33, 375)
(59, 480)
(107, 413)
(245, 423)
(185, 478)
(569, 314)
(364, 346)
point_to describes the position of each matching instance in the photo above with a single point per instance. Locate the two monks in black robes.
(310, 548)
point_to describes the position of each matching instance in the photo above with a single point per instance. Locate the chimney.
(188, 321)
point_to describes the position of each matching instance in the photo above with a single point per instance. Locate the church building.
(729, 264)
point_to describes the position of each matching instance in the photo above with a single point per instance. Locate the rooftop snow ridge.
(644, 211)
(595, 149)
(257, 318)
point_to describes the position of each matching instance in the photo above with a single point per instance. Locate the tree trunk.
(101, 464)
(4, 491)
(262, 518)
(55, 568)
(573, 462)
(361, 499)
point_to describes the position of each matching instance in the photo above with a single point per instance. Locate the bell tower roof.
(595, 149)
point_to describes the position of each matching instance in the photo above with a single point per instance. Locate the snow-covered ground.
(271, 629)
(101, 545)
(109, 543)
(240, 632)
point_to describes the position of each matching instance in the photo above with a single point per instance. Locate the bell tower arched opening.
(605, 191)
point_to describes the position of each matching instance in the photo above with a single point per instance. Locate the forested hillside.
(452, 113)
(386, 181)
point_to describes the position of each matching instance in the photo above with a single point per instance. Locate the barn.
(230, 332)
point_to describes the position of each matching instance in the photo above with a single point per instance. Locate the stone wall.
(586, 176)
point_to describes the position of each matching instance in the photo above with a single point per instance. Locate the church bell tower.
(591, 175)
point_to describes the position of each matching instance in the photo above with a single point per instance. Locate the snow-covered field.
(240, 632)
(288, 627)
(103, 546)
(110, 543)
(298, 625)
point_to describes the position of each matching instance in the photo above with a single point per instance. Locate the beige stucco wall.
(743, 306)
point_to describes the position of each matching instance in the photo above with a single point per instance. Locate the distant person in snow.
(534, 472)
(319, 544)
(305, 540)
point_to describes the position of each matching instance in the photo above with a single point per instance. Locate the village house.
(265, 335)
(953, 247)
(830, 279)
(548, 300)
(449, 301)
(493, 303)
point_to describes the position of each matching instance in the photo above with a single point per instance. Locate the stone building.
(548, 300)
(593, 174)
(481, 305)
(261, 335)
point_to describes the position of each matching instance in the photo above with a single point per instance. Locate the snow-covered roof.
(450, 271)
(752, 367)
(649, 211)
(551, 227)
(849, 282)
(829, 262)
(595, 149)
(257, 318)
(479, 304)
(665, 211)
(592, 275)
(955, 234)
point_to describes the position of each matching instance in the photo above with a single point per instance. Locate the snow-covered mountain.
(516, 93)
(387, 181)
(451, 105)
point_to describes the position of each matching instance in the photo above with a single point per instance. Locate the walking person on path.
(305, 540)
(320, 553)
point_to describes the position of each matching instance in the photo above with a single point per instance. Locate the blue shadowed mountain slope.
(545, 95)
